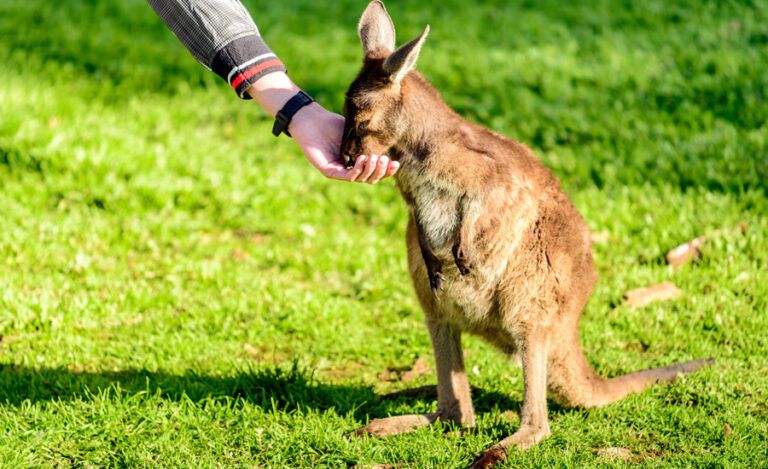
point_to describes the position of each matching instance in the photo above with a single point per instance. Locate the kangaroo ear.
(403, 60)
(377, 33)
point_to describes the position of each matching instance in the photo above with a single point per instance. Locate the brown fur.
(495, 247)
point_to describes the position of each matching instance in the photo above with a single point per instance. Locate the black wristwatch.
(284, 116)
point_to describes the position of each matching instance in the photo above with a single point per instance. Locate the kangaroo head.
(374, 112)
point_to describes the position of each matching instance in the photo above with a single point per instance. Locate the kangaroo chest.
(436, 208)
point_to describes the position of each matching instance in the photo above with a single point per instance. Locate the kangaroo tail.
(573, 383)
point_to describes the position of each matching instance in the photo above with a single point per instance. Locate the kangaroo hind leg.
(453, 394)
(534, 423)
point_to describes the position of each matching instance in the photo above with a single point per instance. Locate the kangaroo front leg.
(534, 425)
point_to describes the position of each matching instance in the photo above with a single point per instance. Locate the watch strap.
(284, 116)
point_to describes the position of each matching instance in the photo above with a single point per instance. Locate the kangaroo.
(495, 247)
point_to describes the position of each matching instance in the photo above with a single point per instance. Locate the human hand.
(318, 132)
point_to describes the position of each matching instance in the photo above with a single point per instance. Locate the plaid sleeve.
(222, 36)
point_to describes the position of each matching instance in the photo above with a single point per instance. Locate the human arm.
(318, 132)
(222, 36)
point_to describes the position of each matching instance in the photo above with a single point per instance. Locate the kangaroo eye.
(362, 127)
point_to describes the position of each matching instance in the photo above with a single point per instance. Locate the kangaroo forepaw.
(462, 262)
(436, 280)
(465, 268)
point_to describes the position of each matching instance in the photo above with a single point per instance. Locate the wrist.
(272, 91)
(304, 118)
(285, 116)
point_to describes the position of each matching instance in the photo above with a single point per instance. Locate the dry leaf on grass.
(239, 254)
(689, 251)
(640, 297)
(418, 368)
(346, 370)
(386, 375)
(614, 453)
(685, 252)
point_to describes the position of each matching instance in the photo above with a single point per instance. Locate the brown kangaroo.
(495, 247)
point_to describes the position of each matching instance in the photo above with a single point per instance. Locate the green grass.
(179, 288)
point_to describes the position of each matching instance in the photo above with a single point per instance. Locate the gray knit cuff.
(243, 61)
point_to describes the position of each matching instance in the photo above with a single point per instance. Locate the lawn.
(180, 288)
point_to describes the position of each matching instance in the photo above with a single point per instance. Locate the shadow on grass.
(283, 389)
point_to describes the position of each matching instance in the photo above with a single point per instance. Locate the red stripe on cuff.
(255, 70)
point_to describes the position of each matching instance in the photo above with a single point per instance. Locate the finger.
(370, 167)
(356, 170)
(392, 168)
(335, 171)
(381, 170)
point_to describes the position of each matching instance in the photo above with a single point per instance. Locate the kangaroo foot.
(523, 439)
(396, 425)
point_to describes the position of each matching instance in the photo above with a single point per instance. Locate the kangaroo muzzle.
(350, 148)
